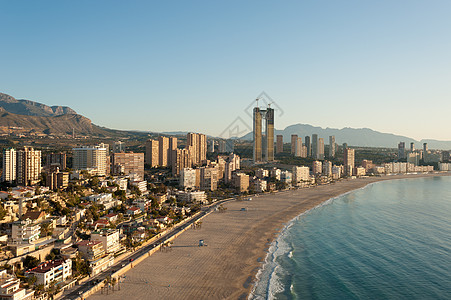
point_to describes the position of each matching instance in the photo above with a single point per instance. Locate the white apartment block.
(25, 231)
(188, 178)
(9, 165)
(90, 158)
(109, 239)
(55, 270)
(300, 174)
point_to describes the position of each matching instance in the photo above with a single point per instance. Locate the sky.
(198, 65)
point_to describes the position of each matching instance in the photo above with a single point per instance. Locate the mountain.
(22, 116)
(31, 108)
(363, 137)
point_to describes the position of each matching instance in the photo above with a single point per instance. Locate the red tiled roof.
(47, 266)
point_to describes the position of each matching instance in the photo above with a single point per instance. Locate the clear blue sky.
(196, 65)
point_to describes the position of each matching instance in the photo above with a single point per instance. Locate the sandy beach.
(237, 243)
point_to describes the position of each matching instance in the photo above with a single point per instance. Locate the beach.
(236, 241)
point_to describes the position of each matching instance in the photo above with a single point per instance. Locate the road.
(74, 293)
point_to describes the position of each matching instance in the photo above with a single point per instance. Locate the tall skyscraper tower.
(294, 141)
(279, 143)
(308, 145)
(412, 147)
(266, 144)
(401, 150)
(331, 146)
(152, 153)
(349, 160)
(9, 165)
(163, 151)
(315, 146)
(28, 166)
(320, 148)
(257, 134)
(269, 145)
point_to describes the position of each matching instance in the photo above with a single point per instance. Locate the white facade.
(188, 178)
(9, 165)
(300, 174)
(109, 239)
(25, 231)
(90, 158)
(198, 196)
(55, 270)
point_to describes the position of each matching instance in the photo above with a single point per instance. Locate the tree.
(30, 262)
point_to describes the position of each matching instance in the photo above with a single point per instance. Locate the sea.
(388, 240)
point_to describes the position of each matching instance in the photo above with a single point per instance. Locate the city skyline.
(373, 62)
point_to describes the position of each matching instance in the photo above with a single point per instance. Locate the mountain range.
(363, 137)
(31, 116)
(24, 116)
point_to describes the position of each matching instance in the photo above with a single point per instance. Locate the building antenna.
(257, 101)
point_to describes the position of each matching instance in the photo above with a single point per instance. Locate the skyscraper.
(269, 149)
(152, 153)
(163, 150)
(315, 146)
(348, 160)
(308, 146)
(181, 158)
(320, 148)
(57, 160)
(128, 163)
(412, 147)
(9, 164)
(299, 147)
(28, 166)
(401, 150)
(331, 146)
(265, 145)
(172, 147)
(197, 145)
(257, 135)
(279, 143)
(294, 142)
(90, 158)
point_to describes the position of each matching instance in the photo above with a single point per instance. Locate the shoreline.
(238, 246)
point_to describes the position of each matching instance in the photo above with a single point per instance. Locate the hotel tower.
(263, 145)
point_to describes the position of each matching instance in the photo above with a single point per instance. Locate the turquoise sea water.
(389, 240)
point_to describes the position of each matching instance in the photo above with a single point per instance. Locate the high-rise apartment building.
(163, 150)
(181, 159)
(28, 166)
(128, 163)
(209, 178)
(401, 150)
(172, 147)
(118, 147)
(299, 147)
(348, 160)
(152, 153)
(321, 148)
(412, 147)
(308, 145)
(9, 165)
(317, 167)
(331, 146)
(425, 148)
(56, 160)
(263, 147)
(257, 134)
(279, 143)
(315, 146)
(197, 146)
(92, 158)
(294, 141)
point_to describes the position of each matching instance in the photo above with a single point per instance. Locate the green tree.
(30, 262)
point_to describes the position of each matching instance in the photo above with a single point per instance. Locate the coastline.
(238, 243)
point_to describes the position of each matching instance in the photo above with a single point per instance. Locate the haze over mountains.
(39, 117)
(363, 137)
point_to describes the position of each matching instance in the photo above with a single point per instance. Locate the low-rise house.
(111, 217)
(34, 216)
(10, 288)
(100, 223)
(133, 211)
(49, 271)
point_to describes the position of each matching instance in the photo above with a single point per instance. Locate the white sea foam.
(268, 279)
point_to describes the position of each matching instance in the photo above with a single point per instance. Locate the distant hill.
(363, 137)
(28, 116)
(31, 108)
